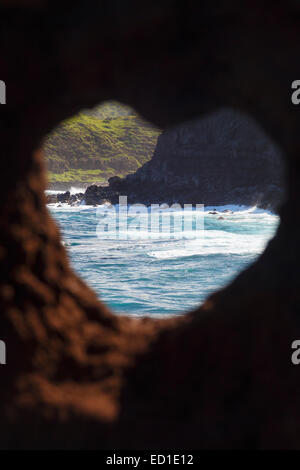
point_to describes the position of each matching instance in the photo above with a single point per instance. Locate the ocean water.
(162, 272)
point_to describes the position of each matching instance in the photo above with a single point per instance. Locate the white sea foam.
(52, 191)
(156, 276)
(75, 190)
(215, 244)
(220, 209)
(72, 189)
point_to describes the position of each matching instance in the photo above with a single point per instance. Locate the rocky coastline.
(224, 158)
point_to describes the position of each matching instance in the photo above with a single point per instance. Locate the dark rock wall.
(78, 376)
(221, 159)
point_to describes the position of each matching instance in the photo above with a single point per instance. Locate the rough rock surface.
(78, 376)
(221, 159)
(95, 195)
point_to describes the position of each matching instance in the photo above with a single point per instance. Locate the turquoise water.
(151, 276)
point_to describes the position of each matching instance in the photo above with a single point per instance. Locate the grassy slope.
(94, 145)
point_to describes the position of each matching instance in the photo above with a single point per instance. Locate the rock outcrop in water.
(65, 198)
(78, 376)
(222, 159)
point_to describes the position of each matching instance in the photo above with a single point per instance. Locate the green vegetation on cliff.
(94, 145)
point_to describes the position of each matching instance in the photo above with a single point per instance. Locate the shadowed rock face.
(221, 159)
(77, 375)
